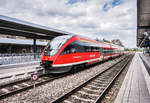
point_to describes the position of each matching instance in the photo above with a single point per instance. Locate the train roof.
(103, 44)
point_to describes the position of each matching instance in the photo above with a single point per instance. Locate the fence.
(19, 58)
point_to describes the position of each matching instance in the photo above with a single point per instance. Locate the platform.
(136, 85)
(17, 67)
(21, 69)
(146, 60)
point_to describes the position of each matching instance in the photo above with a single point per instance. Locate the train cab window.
(55, 44)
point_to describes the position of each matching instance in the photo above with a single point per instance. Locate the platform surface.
(18, 67)
(146, 59)
(135, 87)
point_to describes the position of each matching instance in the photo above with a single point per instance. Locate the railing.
(19, 58)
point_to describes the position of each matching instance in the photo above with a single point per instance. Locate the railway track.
(17, 87)
(23, 85)
(94, 89)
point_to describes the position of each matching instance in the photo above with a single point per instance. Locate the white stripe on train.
(86, 61)
(70, 64)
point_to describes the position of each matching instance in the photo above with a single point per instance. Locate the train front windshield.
(55, 44)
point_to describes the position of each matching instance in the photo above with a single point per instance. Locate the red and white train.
(63, 53)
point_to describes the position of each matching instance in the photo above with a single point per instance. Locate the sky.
(109, 19)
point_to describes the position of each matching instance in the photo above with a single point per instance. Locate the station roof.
(15, 27)
(20, 42)
(143, 23)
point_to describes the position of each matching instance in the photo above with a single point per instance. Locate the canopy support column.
(34, 48)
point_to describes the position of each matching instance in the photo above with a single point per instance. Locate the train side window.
(105, 51)
(100, 49)
(89, 49)
(92, 49)
(74, 47)
(79, 46)
(66, 50)
(73, 50)
(86, 48)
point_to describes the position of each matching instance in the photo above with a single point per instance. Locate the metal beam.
(143, 27)
(39, 30)
(27, 34)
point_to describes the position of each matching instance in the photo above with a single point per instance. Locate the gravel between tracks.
(50, 91)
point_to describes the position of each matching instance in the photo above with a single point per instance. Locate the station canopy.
(15, 27)
(143, 23)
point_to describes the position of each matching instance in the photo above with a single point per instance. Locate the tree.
(107, 41)
(117, 42)
(127, 49)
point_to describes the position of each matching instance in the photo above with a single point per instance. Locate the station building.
(17, 44)
(15, 34)
(143, 25)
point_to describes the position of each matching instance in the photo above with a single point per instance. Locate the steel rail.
(68, 94)
(2, 96)
(112, 82)
(12, 92)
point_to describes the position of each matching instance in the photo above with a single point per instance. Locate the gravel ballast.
(52, 90)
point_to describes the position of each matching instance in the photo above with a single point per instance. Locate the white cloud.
(86, 18)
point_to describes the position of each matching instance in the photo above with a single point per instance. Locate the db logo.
(34, 77)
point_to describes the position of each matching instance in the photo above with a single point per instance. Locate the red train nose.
(46, 61)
